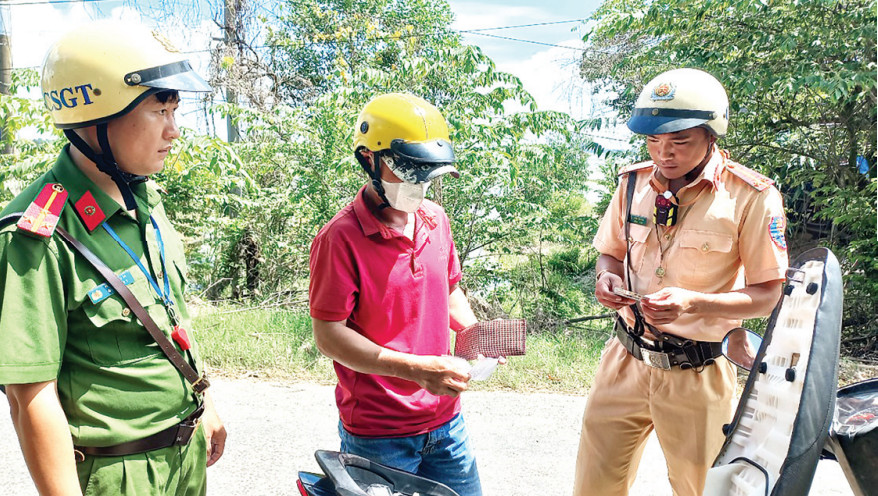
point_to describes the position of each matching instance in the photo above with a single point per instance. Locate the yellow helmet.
(681, 99)
(103, 69)
(409, 129)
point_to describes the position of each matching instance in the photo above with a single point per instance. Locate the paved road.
(525, 443)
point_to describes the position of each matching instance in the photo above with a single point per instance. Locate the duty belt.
(664, 356)
(176, 435)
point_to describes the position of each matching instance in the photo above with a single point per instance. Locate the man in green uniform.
(98, 405)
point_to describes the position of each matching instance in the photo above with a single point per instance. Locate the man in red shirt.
(383, 295)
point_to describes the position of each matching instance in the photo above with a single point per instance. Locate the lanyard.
(165, 295)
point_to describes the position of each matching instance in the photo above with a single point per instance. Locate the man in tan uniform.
(702, 238)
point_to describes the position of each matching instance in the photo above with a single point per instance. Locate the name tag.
(104, 291)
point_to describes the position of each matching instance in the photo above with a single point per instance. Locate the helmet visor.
(174, 76)
(420, 162)
(651, 121)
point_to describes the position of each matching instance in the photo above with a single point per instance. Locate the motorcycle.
(791, 413)
(352, 475)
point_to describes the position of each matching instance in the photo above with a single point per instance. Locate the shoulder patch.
(636, 167)
(776, 228)
(749, 176)
(42, 215)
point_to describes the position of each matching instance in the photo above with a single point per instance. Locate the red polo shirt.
(395, 292)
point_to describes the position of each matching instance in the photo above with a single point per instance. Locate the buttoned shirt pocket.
(638, 236)
(705, 257)
(117, 337)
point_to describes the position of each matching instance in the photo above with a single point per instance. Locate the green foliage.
(523, 174)
(27, 134)
(248, 210)
(317, 44)
(802, 86)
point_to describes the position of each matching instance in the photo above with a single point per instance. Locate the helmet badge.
(663, 92)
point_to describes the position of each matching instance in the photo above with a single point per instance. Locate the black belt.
(665, 356)
(175, 435)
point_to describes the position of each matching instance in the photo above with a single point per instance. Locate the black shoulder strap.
(199, 383)
(631, 177)
(629, 199)
(9, 219)
(640, 323)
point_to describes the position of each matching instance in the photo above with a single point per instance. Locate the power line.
(46, 2)
(569, 21)
(579, 49)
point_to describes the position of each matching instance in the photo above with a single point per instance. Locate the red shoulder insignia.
(89, 211)
(42, 215)
(749, 176)
(636, 167)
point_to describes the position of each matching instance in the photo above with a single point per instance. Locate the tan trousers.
(629, 399)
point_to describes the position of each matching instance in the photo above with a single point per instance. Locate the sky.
(549, 73)
(545, 62)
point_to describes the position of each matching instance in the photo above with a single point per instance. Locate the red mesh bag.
(494, 338)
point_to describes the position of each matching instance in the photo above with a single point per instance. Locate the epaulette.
(636, 167)
(42, 215)
(749, 176)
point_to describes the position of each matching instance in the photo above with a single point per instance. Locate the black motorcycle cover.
(782, 422)
(854, 436)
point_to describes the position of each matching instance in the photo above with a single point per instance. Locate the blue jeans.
(443, 455)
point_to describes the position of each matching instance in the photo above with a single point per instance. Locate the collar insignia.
(89, 211)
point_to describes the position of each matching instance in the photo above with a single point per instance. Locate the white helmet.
(681, 99)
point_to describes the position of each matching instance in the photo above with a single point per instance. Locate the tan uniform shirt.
(729, 233)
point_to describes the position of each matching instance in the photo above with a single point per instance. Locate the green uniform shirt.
(114, 382)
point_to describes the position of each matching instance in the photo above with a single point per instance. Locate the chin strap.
(375, 177)
(107, 164)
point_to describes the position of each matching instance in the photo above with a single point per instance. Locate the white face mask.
(406, 197)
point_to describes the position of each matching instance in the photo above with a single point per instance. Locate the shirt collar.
(371, 225)
(77, 184)
(368, 222)
(711, 173)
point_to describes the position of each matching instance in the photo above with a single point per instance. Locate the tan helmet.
(103, 69)
(409, 129)
(681, 99)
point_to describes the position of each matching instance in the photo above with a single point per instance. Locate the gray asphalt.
(525, 443)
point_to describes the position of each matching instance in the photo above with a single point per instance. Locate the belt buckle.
(655, 359)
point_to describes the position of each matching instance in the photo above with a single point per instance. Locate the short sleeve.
(33, 313)
(334, 284)
(762, 239)
(607, 241)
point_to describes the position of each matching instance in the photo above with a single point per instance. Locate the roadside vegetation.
(278, 345)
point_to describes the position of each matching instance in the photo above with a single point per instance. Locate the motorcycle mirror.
(740, 346)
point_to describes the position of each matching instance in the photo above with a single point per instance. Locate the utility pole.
(233, 29)
(5, 68)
